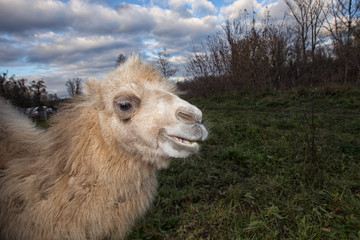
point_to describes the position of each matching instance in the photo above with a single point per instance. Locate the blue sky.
(56, 40)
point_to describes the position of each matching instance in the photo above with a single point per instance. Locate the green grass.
(256, 176)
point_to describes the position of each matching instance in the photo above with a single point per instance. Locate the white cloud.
(80, 15)
(45, 35)
(82, 38)
(20, 15)
(171, 28)
(277, 10)
(178, 60)
(236, 8)
(97, 18)
(9, 52)
(202, 7)
(70, 48)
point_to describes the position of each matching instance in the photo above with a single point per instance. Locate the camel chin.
(184, 142)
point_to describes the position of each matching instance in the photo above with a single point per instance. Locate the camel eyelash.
(126, 106)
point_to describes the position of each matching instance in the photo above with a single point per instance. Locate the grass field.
(275, 166)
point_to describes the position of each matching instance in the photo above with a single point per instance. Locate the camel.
(92, 174)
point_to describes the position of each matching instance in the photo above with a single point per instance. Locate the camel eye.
(124, 106)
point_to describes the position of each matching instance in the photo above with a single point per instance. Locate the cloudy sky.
(56, 40)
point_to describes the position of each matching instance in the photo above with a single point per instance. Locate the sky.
(57, 40)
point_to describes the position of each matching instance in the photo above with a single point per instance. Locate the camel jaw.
(178, 145)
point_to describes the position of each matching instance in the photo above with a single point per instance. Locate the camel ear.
(134, 59)
(92, 90)
(91, 87)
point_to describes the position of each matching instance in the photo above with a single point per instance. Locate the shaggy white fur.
(93, 172)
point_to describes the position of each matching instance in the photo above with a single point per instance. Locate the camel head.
(140, 114)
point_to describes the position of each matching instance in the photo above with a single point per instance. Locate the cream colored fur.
(93, 172)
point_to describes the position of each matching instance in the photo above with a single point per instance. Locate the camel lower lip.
(184, 141)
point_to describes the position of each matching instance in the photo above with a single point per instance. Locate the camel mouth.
(184, 141)
(181, 143)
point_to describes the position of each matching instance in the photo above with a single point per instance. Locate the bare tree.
(39, 89)
(2, 83)
(164, 65)
(210, 58)
(342, 14)
(341, 23)
(120, 59)
(278, 41)
(73, 86)
(310, 16)
(245, 55)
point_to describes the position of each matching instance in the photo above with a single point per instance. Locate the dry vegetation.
(316, 44)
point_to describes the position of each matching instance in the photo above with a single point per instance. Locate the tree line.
(316, 43)
(23, 94)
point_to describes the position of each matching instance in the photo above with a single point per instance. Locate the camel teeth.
(182, 140)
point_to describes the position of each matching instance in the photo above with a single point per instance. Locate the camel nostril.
(187, 116)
